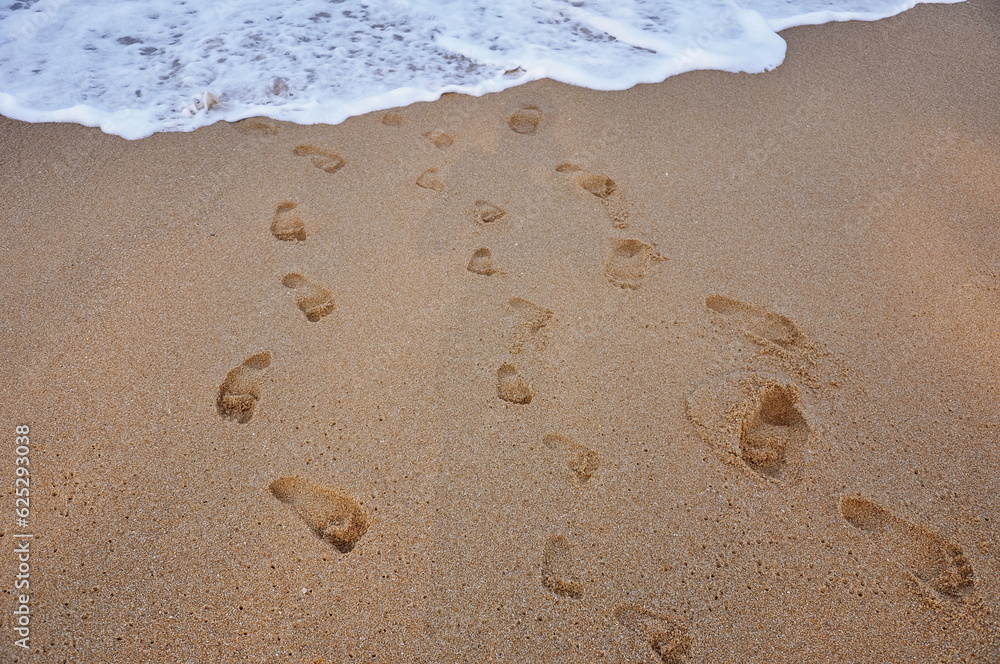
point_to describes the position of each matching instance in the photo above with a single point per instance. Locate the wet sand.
(701, 371)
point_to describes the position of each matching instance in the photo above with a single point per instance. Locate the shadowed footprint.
(557, 568)
(758, 323)
(429, 179)
(482, 262)
(511, 386)
(240, 391)
(668, 639)
(440, 139)
(257, 125)
(327, 160)
(315, 300)
(581, 461)
(771, 428)
(487, 213)
(930, 558)
(335, 517)
(288, 223)
(525, 120)
(604, 188)
(529, 321)
(628, 262)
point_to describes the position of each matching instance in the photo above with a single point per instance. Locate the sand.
(701, 371)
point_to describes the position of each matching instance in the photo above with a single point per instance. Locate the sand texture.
(702, 371)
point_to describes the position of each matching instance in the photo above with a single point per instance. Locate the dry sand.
(702, 371)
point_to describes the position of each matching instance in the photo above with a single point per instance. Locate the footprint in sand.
(604, 188)
(772, 425)
(628, 263)
(315, 300)
(335, 517)
(257, 125)
(329, 161)
(240, 391)
(529, 321)
(482, 262)
(440, 139)
(288, 223)
(761, 325)
(558, 575)
(393, 119)
(581, 461)
(429, 179)
(754, 421)
(487, 213)
(511, 385)
(930, 558)
(525, 120)
(668, 639)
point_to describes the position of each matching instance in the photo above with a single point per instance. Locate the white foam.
(135, 67)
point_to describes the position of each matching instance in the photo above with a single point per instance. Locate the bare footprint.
(525, 120)
(288, 223)
(667, 638)
(429, 179)
(240, 391)
(930, 558)
(604, 188)
(315, 300)
(760, 324)
(628, 263)
(755, 422)
(335, 517)
(393, 119)
(772, 425)
(558, 575)
(529, 321)
(511, 386)
(482, 262)
(440, 139)
(257, 125)
(582, 461)
(329, 161)
(487, 213)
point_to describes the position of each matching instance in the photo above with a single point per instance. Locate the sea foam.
(135, 67)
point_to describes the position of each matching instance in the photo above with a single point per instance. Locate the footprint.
(240, 391)
(628, 262)
(771, 426)
(336, 518)
(429, 180)
(929, 557)
(440, 139)
(761, 325)
(529, 321)
(288, 223)
(482, 262)
(582, 461)
(257, 125)
(615, 204)
(525, 120)
(315, 300)
(753, 421)
(511, 386)
(393, 119)
(668, 639)
(329, 161)
(557, 568)
(487, 213)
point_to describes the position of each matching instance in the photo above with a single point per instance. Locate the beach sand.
(701, 371)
